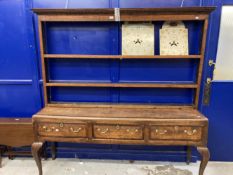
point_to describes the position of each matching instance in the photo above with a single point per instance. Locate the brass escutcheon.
(61, 125)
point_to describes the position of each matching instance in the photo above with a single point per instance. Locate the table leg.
(53, 150)
(44, 151)
(10, 153)
(36, 152)
(205, 156)
(1, 151)
(189, 154)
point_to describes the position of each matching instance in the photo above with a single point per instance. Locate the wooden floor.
(26, 166)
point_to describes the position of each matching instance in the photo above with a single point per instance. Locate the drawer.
(62, 129)
(175, 133)
(105, 131)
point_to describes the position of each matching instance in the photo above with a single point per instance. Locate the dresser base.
(178, 126)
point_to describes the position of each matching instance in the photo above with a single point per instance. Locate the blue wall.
(20, 79)
(19, 93)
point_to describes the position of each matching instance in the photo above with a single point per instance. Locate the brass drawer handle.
(161, 132)
(104, 131)
(46, 129)
(131, 131)
(75, 130)
(190, 132)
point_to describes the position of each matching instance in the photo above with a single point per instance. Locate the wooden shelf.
(119, 105)
(123, 85)
(64, 56)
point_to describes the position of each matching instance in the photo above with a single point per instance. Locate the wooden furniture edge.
(166, 10)
(121, 57)
(119, 105)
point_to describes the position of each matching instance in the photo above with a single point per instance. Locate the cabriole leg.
(1, 152)
(188, 154)
(10, 153)
(53, 150)
(36, 152)
(205, 156)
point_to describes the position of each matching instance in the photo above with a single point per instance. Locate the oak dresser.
(133, 124)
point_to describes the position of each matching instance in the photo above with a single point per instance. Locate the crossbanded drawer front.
(105, 131)
(175, 133)
(62, 129)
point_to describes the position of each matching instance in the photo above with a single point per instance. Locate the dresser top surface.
(123, 112)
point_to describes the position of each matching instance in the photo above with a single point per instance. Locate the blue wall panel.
(158, 70)
(220, 114)
(80, 38)
(157, 3)
(15, 62)
(156, 96)
(19, 95)
(72, 4)
(17, 100)
(49, 4)
(90, 70)
(73, 94)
